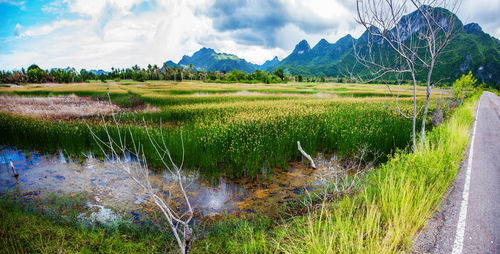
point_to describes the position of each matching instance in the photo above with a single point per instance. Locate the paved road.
(479, 205)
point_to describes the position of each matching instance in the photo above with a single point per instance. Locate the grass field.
(382, 216)
(231, 129)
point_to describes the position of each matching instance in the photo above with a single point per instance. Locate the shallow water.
(107, 186)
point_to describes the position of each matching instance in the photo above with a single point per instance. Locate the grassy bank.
(400, 197)
(24, 230)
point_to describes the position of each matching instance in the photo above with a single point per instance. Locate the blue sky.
(100, 34)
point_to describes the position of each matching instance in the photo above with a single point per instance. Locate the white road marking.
(459, 237)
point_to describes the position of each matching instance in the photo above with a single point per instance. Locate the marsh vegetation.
(243, 170)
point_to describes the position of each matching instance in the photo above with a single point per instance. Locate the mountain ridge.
(471, 50)
(207, 59)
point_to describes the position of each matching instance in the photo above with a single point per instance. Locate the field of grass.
(383, 216)
(396, 201)
(231, 129)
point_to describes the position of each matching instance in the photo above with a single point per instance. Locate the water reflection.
(106, 186)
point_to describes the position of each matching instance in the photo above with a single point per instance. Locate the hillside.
(471, 50)
(206, 59)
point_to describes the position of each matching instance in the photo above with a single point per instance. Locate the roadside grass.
(395, 204)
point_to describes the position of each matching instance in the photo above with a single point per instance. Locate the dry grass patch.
(60, 107)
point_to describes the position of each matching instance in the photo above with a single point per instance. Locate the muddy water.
(111, 192)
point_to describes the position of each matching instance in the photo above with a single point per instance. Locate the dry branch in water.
(306, 155)
(347, 177)
(11, 165)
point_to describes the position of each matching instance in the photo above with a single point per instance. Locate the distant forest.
(34, 74)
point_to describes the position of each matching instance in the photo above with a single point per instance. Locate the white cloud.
(484, 12)
(54, 7)
(122, 39)
(108, 33)
(51, 28)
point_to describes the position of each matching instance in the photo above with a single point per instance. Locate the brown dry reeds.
(60, 107)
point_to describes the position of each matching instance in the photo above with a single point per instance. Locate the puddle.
(107, 187)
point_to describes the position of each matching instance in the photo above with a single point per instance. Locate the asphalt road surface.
(468, 221)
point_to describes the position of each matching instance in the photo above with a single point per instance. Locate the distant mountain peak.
(347, 37)
(169, 64)
(268, 64)
(472, 28)
(322, 43)
(275, 60)
(301, 48)
(207, 59)
(206, 50)
(440, 17)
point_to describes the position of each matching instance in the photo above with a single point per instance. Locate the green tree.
(102, 77)
(35, 75)
(280, 73)
(33, 66)
(463, 87)
(84, 75)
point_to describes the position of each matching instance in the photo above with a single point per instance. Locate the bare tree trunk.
(406, 46)
(414, 117)
(427, 99)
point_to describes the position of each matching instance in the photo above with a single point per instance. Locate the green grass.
(397, 202)
(239, 137)
(230, 135)
(382, 217)
(30, 231)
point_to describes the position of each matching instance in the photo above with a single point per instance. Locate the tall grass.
(234, 138)
(231, 135)
(389, 211)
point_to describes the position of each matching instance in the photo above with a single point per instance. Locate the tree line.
(34, 74)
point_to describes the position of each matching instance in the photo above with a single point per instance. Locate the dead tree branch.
(306, 155)
(404, 45)
(118, 150)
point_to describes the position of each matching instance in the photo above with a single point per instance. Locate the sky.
(94, 34)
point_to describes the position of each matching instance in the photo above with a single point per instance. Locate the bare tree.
(403, 46)
(118, 150)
